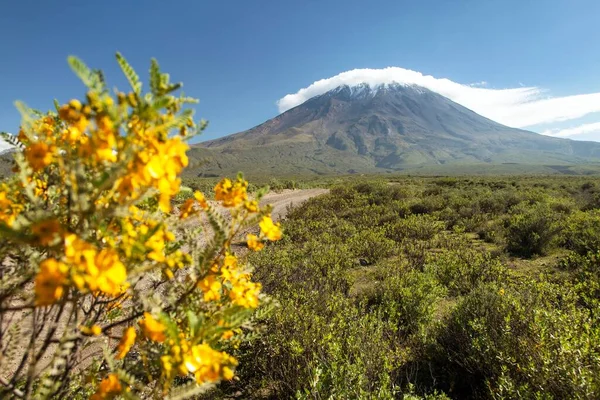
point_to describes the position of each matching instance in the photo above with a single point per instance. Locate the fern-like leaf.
(132, 77)
(82, 71)
(154, 77)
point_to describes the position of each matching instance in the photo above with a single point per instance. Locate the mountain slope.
(384, 128)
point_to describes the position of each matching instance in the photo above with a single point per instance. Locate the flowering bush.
(104, 289)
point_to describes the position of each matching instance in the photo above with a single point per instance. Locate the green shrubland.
(432, 288)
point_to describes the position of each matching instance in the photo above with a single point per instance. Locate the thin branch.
(12, 388)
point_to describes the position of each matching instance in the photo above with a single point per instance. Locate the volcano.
(390, 127)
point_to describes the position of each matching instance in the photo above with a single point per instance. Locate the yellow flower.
(40, 189)
(50, 281)
(227, 373)
(112, 274)
(207, 364)
(227, 335)
(39, 155)
(199, 196)
(153, 329)
(82, 256)
(8, 208)
(211, 288)
(95, 270)
(108, 388)
(270, 230)
(167, 365)
(47, 231)
(251, 206)
(187, 209)
(245, 293)
(127, 341)
(254, 243)
(93, 330)
(231, 194)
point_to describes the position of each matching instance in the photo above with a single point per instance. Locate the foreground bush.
(532, 229)
(582, 232)
(103, 291)
(526, 341)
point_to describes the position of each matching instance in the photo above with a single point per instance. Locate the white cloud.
(578, 130)
(517, 107)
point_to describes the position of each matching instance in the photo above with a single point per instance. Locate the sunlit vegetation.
(433, 288)
(121, 279)
(105, 290)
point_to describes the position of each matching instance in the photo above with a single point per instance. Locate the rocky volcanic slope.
(384, 128)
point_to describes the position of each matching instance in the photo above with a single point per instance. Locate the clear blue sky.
(240, 57)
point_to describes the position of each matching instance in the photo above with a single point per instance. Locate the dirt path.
(289, 198)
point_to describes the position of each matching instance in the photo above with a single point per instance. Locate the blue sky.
(240, 57)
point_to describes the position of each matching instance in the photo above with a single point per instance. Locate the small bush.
(582, 232)
(462, 270)
(422, 227)
(372, 245)
(528, 341)
(531, 229)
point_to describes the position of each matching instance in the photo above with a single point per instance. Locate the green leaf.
(25, 111)
(162, 102)
(260, 193)
(82, 71)
(132, 77)
(179, 120)
(188, 100)
(154, 77)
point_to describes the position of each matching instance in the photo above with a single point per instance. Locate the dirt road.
(280, 201)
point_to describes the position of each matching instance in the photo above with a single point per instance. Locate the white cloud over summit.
(518, 107)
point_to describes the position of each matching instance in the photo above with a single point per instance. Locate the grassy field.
(425, 287)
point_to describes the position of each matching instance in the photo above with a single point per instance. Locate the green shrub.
(422, 227)
(463, 269)
(372, 245)
(582, 232)
(323, 347)
(528, 341)
(409, 298)
(531, 229)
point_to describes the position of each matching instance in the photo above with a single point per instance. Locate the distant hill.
(390, 128)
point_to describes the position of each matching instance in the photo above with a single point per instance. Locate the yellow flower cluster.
(209, 365)
(9, 208)
(254, 243)
(93, 269)
(189, 208)
(89, 198)
(50, 281)
(268, 231)
(109, 388)
(39, 155)
(88, 268)
(227, 278)
(153, 329)
(126, 343)
(231, 194)
(205, 363)
(157, 165)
